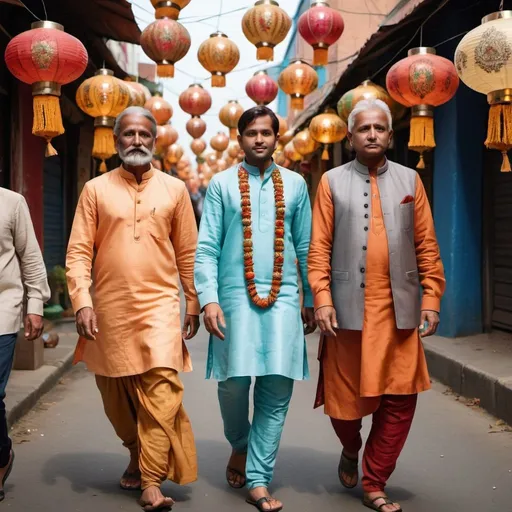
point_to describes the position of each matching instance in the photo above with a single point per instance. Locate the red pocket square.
(407, 199)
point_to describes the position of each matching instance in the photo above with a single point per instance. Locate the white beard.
(135, 159)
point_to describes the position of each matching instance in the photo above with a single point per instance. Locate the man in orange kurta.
(373, 246)
(138, 225)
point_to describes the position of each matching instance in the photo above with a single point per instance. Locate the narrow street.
(71, 459)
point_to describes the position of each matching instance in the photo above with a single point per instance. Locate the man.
(22, 270)
(373, 245)
(139, 226)
(255, 224)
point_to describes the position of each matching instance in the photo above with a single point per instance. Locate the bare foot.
(262, 492)
(381, 502)
(130, 480)
(235, 472)
(153, 499)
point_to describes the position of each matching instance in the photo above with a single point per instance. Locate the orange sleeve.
(319, 261)
(430, 266)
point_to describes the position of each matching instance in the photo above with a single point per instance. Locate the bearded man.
(373, 247)
(138, 226)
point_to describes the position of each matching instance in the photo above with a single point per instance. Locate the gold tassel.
(47, 120)
(422, 133)
(320, 57)
(104, 146)
(499, 132)
(165, 70)
(421, 163)
(265, 53)
(505, 166)
(325, 152)
(103, 167)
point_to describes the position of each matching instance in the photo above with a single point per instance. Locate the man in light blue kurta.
(246, 340)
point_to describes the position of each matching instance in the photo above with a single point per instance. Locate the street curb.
(495, 394)
(25, 405)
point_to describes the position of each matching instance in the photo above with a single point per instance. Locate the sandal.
(127, 476)
(236, 473)
(6, 476)
(371, 503)
(259, 504)
(349, 467)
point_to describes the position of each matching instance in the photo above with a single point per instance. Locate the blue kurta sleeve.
(209, 246)
(301, 233)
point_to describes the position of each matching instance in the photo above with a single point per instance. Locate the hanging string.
(45, 11)
(220, 14)
(502, 5)
(421, 36)
(192, 19)
(35, 16)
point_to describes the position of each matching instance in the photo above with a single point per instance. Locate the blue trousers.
(7, 344)
(272, 394)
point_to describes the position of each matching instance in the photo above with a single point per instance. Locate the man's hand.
(86, 323)
(432, 317)
(326, 319)
(33, 327)
(308, 319)
(190, 326)
(213, 316)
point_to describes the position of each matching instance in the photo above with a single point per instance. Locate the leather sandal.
(130, 476)
(6, 476)
(238, 474)
(367, 502)
(259, 504)
(349, 467)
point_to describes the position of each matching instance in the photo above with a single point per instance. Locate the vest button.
(367, 181)
(363, 285)
(366, 228)
(365, 215)
(364, 247)
(366, 206)
(365, 194)
(363, 271)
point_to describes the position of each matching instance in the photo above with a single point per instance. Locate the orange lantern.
(173, 154)
(298, 80)
(219, 143)
(283, 125)
(222, 165)
(286, 137)
(103, 97)
(140, 87)
(422, 81)
(265, 26)
(327, 128)
(229, 115)
(160, 108)
(169, 8)
(165, 41)
(219, 55)
(196, 127)
(305, 144)
(198, 146)
(233, 149)
(137, 96)
(291, 153)
(166, 136)
(211, 159)
(195, 100)
(46, 57)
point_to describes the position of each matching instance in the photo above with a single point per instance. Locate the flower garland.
(277, 273)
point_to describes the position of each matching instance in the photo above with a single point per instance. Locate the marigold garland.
(277, 273)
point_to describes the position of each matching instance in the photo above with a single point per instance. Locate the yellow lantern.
(173, 154)
(298, 80)
(229, 115)
(219, 143)
(291, 153)
(169, 8)
(305, 144)
(327, 128)
(103, 97)
(219, 55)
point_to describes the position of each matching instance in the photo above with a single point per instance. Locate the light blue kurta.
(258, 341)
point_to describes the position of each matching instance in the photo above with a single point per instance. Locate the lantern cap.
(298, 60)
(422, 50)
(499, 15)
(218, 34)
(422, 111)
(501, 96)
(196, 85)
(268, 2)
(46, 89)
(47, 24)
(315, 3)
(104, 72)
(261, 72)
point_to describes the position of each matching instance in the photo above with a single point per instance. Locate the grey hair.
(365, 105)
(130, 111)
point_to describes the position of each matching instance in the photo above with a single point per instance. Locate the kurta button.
(138, 220)
(138, 202)
(137, 237)
(363, 285)
(366, 206)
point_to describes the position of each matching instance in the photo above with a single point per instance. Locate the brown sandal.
(349, 467)
(259, 504)
(129, 476)
(237, 473)
(367, 502)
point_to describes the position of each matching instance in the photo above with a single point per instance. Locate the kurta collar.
(130, 177)
(251, 169)
(362, 169)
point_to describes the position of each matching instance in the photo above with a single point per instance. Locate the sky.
(189, 70)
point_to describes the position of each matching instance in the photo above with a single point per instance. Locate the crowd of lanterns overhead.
(48, 58)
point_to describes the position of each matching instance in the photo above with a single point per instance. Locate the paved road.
(71, 459)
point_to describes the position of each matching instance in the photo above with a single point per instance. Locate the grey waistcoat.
(351, 190)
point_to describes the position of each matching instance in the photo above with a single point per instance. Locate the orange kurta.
(143, 238)
(358, 367)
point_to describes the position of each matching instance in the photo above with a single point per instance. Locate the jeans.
(7, 344)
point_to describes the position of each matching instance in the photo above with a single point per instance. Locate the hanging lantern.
(219, 55)
(173, 154)
(229, 115)
(46, 57)
(196, 127)
(298, 80)
(140, 87)
(195, 100)
(169, 8)
(165, 41)
(283, 125)
(321, 26)
(278, 155)
(327, 128)
(483, 61)
(219, 143)
(222, 165)
(291, 153)
(261, 88)
(286, 137)
(166, 136)
(103, 97)
(233, 149)
(137, 96)
(198, 146)
(266, 25)
(211, 159)
(305, 144)
(422, 81)
(160, 108)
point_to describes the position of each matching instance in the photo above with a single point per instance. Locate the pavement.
(457, 459)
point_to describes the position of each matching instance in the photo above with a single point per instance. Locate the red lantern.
(166, 42)
(160, 108)
(166, 136)
(321, 26)
(196, 127)
(261, 88)
(195, 100)
(46, 57)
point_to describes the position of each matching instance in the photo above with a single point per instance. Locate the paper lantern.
(140, 87)
(195, 100)
(166, 136)
(483, 61)
(198, 146)
(211, 159)
(196, 127)
(278, 156)
(137, 96)
(229, 115)
(234, 149)
(321, 26)
(266, 25)
(165, 41)
(173, 154)
(219, 55)
(304, 143)
(286, 137)
(46, 57)
(160, 108)
(261, 88)
(103, 97)
(169, 8)
(291, 153)
(327, 128)
(298, 80)
(423, 80)
(222, 165)
(219, 143)
(283, 125)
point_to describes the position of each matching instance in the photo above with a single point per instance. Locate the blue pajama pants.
(272, 394)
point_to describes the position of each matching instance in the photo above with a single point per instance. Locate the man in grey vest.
(373, 248)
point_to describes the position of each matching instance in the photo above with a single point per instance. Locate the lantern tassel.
(421, 163)
(325, 152)
(165, 70)
(103, 167)
(297, 103)
(47, 120)
(104, 146)
(320, 57)
(422, 137)
(499, 132)
(265, 53)
(218, 81)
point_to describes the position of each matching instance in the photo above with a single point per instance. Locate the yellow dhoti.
(147, 414)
